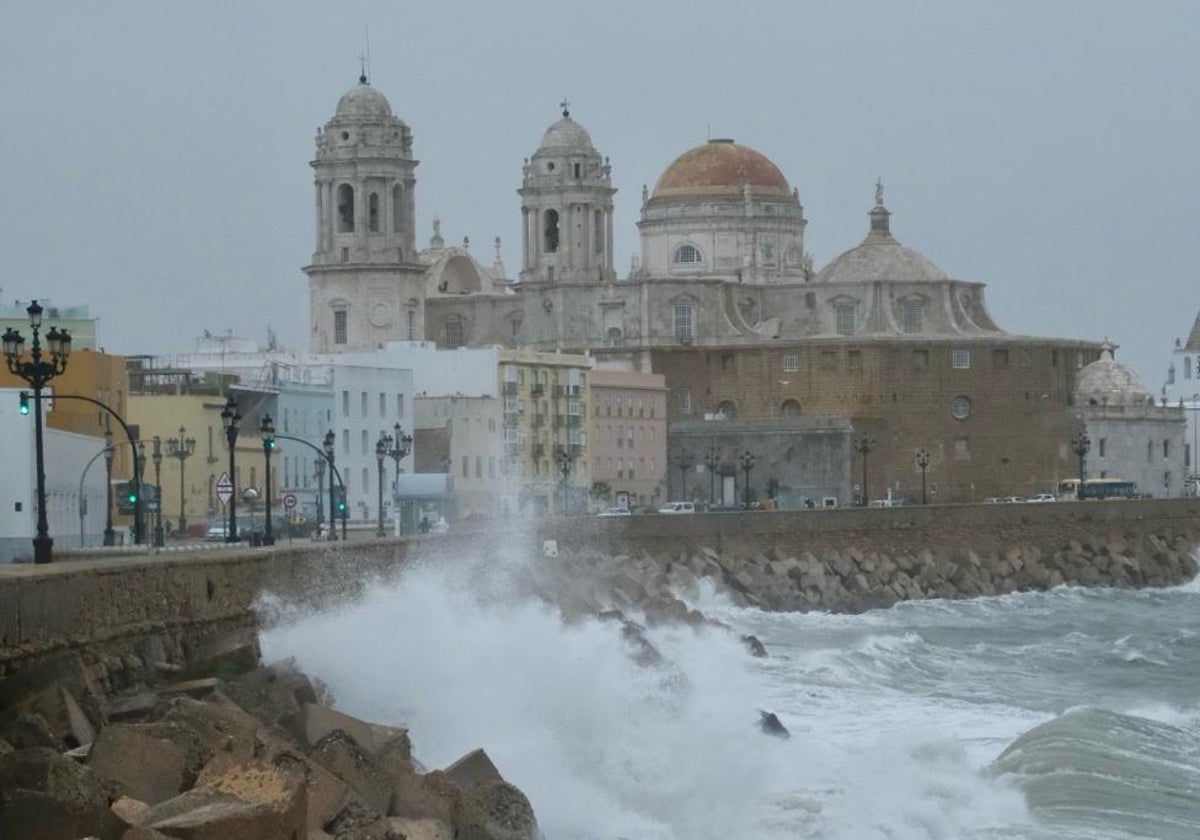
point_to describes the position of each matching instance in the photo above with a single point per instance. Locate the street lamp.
(712, 460)
(266, 430)
(684, 461)
(1080, 446)
(746, 459)
(922, 465)
(181, 448)
(37, 373)
(110, 536)
(565, 458)
(156, 457)
(328, 446)
(401, 445)
(230, 418)
(382, 447)
(319, 464)
(864, 446)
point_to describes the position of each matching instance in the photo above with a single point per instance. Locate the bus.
(1097, 488)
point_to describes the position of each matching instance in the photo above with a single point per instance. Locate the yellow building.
(189, 485)
(544, 412)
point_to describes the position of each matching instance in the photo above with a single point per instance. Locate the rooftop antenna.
(367, 62)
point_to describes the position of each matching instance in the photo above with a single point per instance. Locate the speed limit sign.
(289, 500)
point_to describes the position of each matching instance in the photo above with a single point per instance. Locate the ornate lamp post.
(139, 470)
(864, 446)
(746, 459)
(684, 461)
(37, 372)
(266, 430)
(565, 459)
(1081, 445)
(110, 536)
(181, 448)
(319, 464)
(712, 460)
(328, 446)
(382, 446)
(156, 457)
(922, 465)
(400, 445)
(230, 418)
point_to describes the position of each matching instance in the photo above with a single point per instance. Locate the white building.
(1182, 388)
(73, 473)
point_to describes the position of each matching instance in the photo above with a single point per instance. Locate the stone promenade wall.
(845, 560)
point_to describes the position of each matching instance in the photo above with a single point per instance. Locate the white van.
(678, 507)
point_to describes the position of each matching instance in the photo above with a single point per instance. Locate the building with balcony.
(628, 424)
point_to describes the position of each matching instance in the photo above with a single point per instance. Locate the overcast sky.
(156, 154)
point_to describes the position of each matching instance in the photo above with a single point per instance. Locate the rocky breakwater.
(257, 756)
(856, 578)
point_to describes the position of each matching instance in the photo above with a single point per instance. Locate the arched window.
(613, 337)
(790, 409)
(551, 229)
(345, 208)
(454, 332)
(1187, 367)
(687, 254)
(727, 409)
(397, 203)
(373, 212)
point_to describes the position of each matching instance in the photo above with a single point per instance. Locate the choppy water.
(896, 715)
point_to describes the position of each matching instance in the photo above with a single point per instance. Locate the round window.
(550, 166)
(345, 135)
(960, 408)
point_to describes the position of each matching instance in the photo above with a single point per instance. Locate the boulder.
(431, 795)
(48, 796)
(474, 768)
(319, 721)
(771, 725)
(495, 811)
(273, 694)
(420, 829)
(325, 793)
(148, 761)
(129, 810)
(250, 801)
(29, 730)
(221, 725)
(341, 755)
(756, 647)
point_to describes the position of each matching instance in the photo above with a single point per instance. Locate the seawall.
(135, 613)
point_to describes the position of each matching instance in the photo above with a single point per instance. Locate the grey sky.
(156, 154)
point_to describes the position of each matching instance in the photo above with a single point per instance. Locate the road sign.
(224, 488)
(289, 500)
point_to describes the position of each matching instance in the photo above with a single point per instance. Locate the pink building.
(629, 435)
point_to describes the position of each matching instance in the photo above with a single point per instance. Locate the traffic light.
(269, 443)
(127, 497)
(131, 493)
(340, 499)
(23, 405)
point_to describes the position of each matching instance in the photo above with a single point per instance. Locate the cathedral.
(818, 373)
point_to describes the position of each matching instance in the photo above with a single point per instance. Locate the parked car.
(1042, 497)
(615, 511)
(678, 507)
(216, 531)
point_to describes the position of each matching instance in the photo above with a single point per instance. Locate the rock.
(48, 796)
(358, 822)
(430, 796)
(148, 761)
(753, 644)
(341, 755)
(250, 801)
(140, 832)
(496, 811)
(225, 655)
(192, 688)
(420, 829)
(770, 725)
(129, 810)
(131, 706)
(272, 693)
(325, 793)
(29, 730)
(319, 721)
(474, 768)
(221, 725)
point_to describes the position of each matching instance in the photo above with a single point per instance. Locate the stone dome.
(721, 167)
(567, 134)
(880, 256)
(363, 102)
(1108, 382)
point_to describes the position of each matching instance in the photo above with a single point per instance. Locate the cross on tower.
(362, 64)
(565, 105)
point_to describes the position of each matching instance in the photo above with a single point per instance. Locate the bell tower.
(365, 279)
(566, 209)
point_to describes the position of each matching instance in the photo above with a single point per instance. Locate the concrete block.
(474, 768)
(148, 761)
(249, 801)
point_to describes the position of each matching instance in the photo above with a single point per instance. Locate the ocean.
(896, 717)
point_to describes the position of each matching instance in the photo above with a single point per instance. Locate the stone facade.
(881, 335)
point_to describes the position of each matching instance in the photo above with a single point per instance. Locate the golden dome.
(720, 167)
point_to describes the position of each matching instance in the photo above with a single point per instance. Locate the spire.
(566, 107)
(879, 214)
(362, 70)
